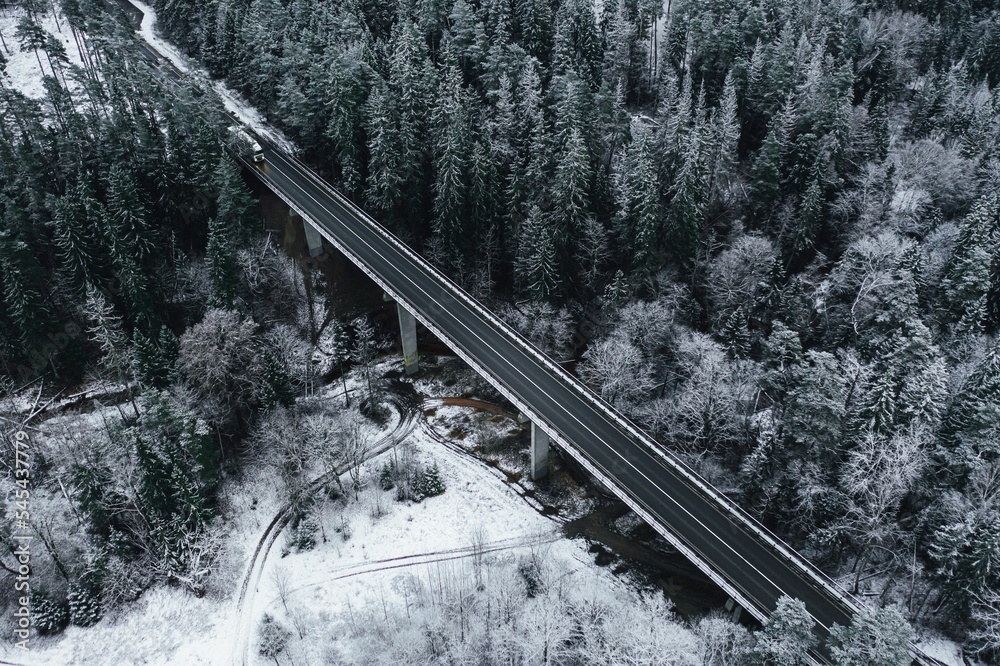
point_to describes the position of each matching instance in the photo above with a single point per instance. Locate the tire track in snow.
(242, 624)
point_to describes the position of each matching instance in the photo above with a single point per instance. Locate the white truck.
(245, 145)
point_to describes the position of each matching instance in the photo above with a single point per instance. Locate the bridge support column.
(733, 609)
(313, 238)
(408, 333)
(539, 452)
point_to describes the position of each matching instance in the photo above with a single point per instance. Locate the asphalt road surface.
(724, 541)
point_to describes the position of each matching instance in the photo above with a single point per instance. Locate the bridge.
(729, 546)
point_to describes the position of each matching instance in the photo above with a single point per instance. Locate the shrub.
(84, 605)
(48, 616)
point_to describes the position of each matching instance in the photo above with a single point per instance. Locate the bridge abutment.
(539, 452)
(408, 334)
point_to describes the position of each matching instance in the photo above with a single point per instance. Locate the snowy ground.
(22, 66)
(388, 545)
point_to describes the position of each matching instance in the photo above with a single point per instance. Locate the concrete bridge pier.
(539, 452)
(733, 609)
(313, 237)
(408, 334)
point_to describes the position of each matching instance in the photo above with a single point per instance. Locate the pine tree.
(84, 605)
(27, 308)
(967, 283)
(454, 143)
(798, 240)
(153, 360)
(385, 176)
(485, 203)
(969, 425)
(346, 88)
(533, 20)
(31, 37)
(637, 223)
(724, 141)
(768, 168)
(686, 210)
(536, 269)
(570, 196)
(47, 615)
(735, 334)
(874, 638)
(234, 206)
(576, 44)
(432, 485)
(468, 37)
(786, 638)
(73, 237)
(413, 80)
(530, 172)
(621, 38)
(175, 458)
(129, 214)
(223, 270)
(107, 332)
(132, 282)
(273, 638)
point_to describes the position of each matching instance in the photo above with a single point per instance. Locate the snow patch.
(944, 650)
(22, 66)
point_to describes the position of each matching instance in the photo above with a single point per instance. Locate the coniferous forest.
(767, 231)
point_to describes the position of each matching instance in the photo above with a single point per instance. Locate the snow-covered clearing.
(944, 650)
(22, 66)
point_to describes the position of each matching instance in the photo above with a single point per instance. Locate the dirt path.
(432, 403)
(243, 619)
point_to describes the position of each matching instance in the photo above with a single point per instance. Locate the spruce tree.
(84, 605)
(47, 615)
(220, 256)
(968, 431)
(453, 145)
(570, 196)
(73, 240)
(536, 270)
(768, 169)
(967, 283)
(385, 176)
(637, 223)
(686, 210)
(786, 638)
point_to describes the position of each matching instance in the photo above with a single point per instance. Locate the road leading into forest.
(732, 548)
